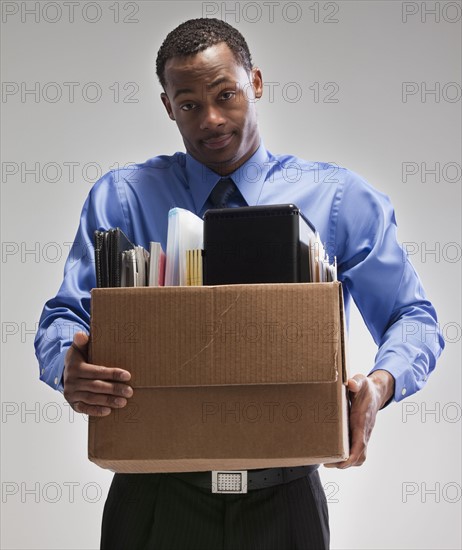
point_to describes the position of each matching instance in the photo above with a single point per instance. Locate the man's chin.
(219, 159)
(224, 160)
(225, 166)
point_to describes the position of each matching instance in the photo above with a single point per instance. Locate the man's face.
(212, 99)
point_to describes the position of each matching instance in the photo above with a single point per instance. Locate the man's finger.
(356, 383)
(80, 341)
(101, 386)
(100, 399)
(353, 460)
(91, 410)
(98, 372)
(335, 464)
(357, 452)
(79, 350)
(356, 458)
(358, 445)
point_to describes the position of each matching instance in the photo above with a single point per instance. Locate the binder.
(257, 244)
(109, 246)
(101, 271)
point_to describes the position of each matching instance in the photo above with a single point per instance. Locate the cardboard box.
(224, 377)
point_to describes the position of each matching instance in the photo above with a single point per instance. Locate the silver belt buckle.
(229, 481)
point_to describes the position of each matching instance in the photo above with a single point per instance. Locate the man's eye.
(228, 95)
(187, 106)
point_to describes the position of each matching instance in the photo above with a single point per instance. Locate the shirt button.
(43, 371)
(56, 381)
(403, 391)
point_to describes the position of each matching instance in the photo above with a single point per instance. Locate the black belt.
(241, 481)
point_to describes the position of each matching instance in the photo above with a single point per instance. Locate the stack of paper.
(120, 263)
(185, 232)
(156, 274)
(194, 267)
(324, 271)
(135, 266)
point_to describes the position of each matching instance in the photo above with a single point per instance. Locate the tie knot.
(225, 193)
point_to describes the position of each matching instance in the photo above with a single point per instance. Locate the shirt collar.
(249, 177)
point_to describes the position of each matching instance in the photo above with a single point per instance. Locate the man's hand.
(367, 395)
(92, 389)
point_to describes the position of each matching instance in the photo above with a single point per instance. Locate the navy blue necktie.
(225, 194)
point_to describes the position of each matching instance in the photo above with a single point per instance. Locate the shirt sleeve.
(377, 273)
(69, 311)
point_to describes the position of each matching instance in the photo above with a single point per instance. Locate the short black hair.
(195, 35)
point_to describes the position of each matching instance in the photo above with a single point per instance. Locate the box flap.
(211, 336)
(223, 427)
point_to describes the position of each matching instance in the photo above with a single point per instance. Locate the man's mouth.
(218, 142)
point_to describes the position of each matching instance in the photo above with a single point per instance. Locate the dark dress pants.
(161, 512)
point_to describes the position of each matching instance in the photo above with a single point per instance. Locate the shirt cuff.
(404, 375)
(53, 374)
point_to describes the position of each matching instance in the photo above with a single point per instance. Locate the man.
(210, 89)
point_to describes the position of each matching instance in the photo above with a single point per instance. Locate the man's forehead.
(214, 62)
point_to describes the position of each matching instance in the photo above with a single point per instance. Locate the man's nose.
(212, 117)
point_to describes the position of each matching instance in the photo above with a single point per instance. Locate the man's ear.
(167, 104)
(257, 82)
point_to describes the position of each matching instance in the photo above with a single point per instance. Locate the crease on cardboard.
(343, 336)
(215, 332)
(336, 369)
(231, 305)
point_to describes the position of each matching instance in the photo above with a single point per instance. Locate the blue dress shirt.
(355, 221)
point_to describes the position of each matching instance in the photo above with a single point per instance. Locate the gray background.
(407, 494)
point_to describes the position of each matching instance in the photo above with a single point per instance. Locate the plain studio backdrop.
(369, 85)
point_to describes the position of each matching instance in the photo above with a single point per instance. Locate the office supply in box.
(263, 244)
